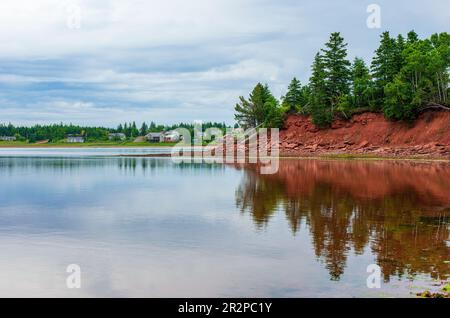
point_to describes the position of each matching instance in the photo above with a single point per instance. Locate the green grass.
(105, 144)
(13, 143)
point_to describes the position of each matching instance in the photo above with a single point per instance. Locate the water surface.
(81, 151)
(150, 227)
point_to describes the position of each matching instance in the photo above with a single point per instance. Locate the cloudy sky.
(107, 61)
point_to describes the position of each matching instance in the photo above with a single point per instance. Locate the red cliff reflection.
(399, 210)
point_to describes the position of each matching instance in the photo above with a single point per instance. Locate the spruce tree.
(319, 103)
(144, 129)
(294, 96)
(337, 68)
(260, 109)
(361, 84)
(412, 37)
(384, 66)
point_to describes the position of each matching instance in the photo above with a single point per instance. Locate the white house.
(172, 136)
(8, 138)
(75, 139)
(117, 136)
(155, 137)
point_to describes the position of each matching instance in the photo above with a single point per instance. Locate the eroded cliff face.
(369, 133)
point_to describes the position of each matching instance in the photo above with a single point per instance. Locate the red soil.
(369, 133)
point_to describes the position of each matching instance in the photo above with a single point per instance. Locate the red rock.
(363, 144)
(429, 135)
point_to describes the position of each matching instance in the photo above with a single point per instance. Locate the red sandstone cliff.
(369, 133)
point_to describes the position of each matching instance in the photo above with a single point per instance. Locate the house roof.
(153, 134)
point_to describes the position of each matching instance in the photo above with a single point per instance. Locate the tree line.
(59, 132)
(406, 76)
(131, 130)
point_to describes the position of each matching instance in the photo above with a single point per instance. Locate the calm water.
(80, 152)
(149, 227)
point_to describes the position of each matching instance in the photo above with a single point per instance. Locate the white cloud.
(173, 60)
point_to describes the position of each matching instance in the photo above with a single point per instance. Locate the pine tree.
(261, 108)
(134, 132)
(319, 103)
(250, 113)
(337, 68)
(144, 129)
(412, 37)
(293, 101)
(398, 55)
(361, 84)
(384, 66)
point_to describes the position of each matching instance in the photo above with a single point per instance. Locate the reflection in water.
(150, 227)
(399, 210)
(126, 164)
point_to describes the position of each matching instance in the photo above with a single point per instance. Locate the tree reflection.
(398, 210)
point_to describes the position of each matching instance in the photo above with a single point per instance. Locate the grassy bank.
(98, 144)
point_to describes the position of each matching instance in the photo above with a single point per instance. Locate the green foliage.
(293, 101)
(144, 129)
(385, 65)
(58, 132)
(423, 79)
(346, 105)
(261, 109)
(53, 133)
(337, 68)
(362, 88)
(412, 37)
(405, 78)
(398, 101)
(320, 110)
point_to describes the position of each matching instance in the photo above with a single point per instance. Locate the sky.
(99, 62)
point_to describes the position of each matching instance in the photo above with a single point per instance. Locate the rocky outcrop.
(369, 134)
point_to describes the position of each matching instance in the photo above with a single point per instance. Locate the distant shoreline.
(86, 145)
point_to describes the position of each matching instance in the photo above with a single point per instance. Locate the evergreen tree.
(319, 102)
(134, 131)
(273, 112)
(384, 66)
(412, 37)
(361, 84)
(398, 54)
(261, 108)
(293, 101)
(337, 69)
(144, 129)
(248, 112)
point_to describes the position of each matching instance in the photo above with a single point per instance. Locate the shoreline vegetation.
(99, 144)
(126, 135)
